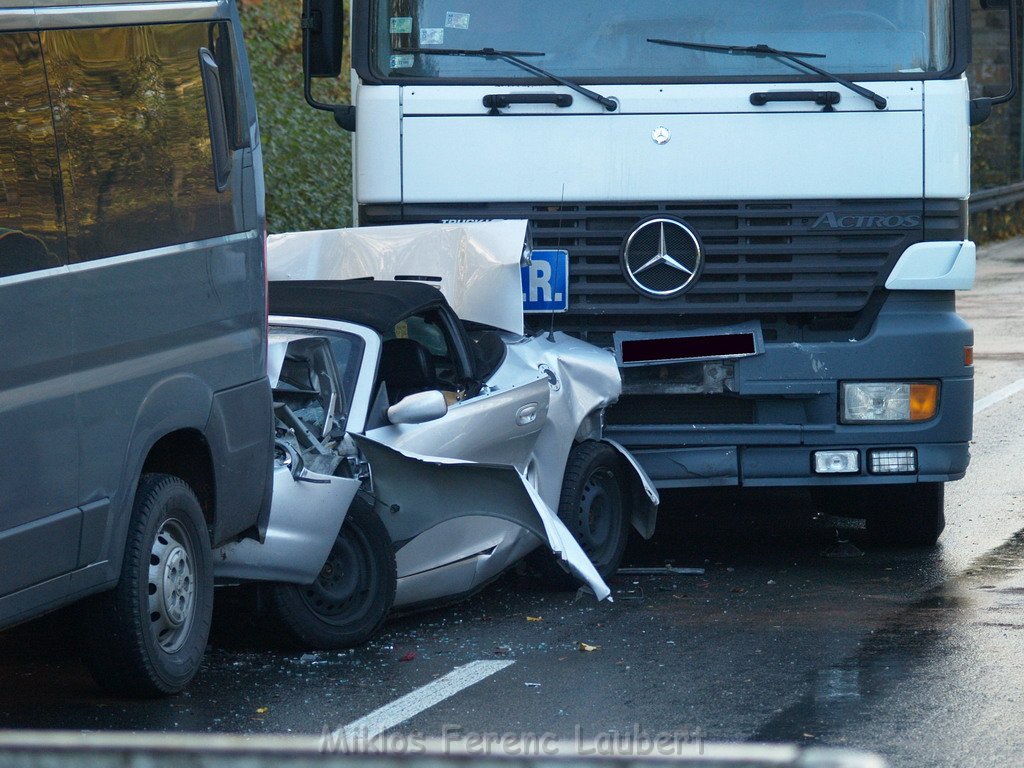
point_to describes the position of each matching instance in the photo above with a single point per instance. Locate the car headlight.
(890, 401)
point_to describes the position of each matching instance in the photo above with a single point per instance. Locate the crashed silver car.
(420, 456)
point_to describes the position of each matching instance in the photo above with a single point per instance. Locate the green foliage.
(307, 157)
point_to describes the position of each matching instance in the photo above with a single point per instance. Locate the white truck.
(762, 208)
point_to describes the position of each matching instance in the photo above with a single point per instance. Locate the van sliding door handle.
(496, 101)
(826, 99)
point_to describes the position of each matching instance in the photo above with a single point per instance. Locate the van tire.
(353, 594)
(146, 637)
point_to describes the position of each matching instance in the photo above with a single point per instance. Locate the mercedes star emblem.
(661, 135)
(662, 257)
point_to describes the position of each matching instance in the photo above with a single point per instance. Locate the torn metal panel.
(458, 556)
(583, 380)
(476, 266)
(498, 426)
(417, 493)
(305, 517)
(646, 498)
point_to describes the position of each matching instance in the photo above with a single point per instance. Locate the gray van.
(135, 412)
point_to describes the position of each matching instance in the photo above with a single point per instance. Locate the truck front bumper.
(794, 392)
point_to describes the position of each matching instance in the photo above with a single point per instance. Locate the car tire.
(594, 505)
(905, 516)
(147, 636)
(353, 595)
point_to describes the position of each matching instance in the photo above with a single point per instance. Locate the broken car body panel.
(421, 493)
(475, 265)
(306, 514)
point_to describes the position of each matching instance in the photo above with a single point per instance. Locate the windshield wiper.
(797, 57)
(513, 57)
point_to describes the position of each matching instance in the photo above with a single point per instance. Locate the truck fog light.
(866, 402)
(836, 462)
(893, 461)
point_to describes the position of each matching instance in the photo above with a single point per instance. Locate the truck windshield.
(607, 39)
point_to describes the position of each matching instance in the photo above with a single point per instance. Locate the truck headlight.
(891, 401)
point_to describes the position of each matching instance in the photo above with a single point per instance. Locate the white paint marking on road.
(998, 396)
(410, 705)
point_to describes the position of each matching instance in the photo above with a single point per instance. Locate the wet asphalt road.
(916, 655)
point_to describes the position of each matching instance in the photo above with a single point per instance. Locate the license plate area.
(636, 349)
(546, 282)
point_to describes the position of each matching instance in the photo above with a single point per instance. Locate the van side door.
(39, 522)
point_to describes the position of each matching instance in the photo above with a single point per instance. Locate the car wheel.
(594, 504)
(353, 594)
(895, 515)
(147, 637)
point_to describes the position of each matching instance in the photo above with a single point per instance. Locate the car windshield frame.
(365, 34)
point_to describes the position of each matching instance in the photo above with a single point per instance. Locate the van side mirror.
(981, 108)
(418, 408)
(323, 42)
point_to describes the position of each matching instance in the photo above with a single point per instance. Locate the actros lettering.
(832, 221)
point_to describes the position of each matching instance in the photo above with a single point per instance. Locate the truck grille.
(800, 267)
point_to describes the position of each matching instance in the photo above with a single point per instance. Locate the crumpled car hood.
(476, 266)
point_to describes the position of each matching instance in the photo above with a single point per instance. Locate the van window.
(31, 219)
(134, 139)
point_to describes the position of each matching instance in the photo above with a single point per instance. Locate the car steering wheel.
(874, 19)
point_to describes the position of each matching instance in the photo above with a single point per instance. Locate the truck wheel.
(353, 594)
(147, 637)
(910, 516)
(594, 504)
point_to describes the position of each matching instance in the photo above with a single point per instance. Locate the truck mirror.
(981, 108)
(323, 40)
(323, 37)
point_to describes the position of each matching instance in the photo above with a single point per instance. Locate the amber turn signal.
(924, 401)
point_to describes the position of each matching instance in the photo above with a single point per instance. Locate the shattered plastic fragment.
(587, 648)
(535, 618)
(409, 656)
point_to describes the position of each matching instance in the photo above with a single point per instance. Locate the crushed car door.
(482, 425)
(415, 493)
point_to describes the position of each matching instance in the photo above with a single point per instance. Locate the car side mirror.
(418, 408)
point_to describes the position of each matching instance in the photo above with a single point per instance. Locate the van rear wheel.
(147, 637)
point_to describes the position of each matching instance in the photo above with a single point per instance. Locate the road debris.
(660, 571)
(587, 648)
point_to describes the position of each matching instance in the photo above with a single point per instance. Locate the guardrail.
(64, 749)
(997, 197)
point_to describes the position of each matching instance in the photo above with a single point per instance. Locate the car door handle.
(527, 414)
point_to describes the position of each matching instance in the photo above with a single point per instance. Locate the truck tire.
(353, 595)
(911, 516)
(146, 637)
(895, 515)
